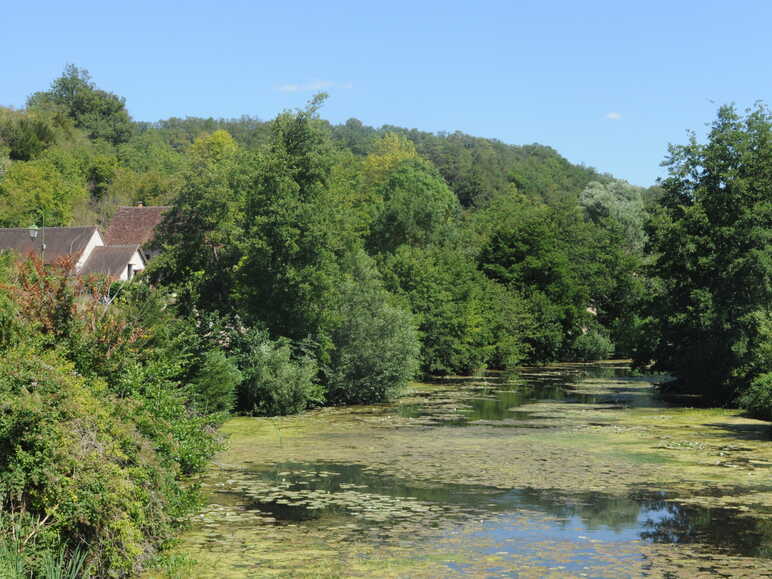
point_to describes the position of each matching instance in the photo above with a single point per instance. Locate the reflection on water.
(524, 527)
(498, 396)
(293, 492)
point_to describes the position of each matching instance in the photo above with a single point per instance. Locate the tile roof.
(110, 260)
(134, 225)
(60, 241)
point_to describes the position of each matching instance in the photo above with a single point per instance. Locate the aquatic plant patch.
(591, 475)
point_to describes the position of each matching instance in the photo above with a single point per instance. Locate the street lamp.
(33, 234)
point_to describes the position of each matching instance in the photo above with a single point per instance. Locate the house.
(135, 226)
(119, 253)
(119, 262)
(85, 246)
(52, 243)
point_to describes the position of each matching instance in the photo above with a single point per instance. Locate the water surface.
(576, 470)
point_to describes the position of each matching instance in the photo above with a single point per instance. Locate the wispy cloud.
(315, 85)
(614, 116)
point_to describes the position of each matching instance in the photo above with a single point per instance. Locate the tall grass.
(24, 556)
(12, 563)
(64, 564)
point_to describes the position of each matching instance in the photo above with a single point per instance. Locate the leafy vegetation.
(275, 382)
(712, 248)
(99, 420)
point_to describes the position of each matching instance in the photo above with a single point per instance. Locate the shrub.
(376, 345)
(273, 382)
(97, 425)
(68, 451)
(757, 399)
(161, 411)
(213, 389)
(591, 345)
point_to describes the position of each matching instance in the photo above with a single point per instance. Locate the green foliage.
(375, 342)
(510, 319)
(355, 136)
(418, 208)
(539, 251)
(183, 439)
(621, 202)
(590, 346)
(465, 320)
(10, 325)
(249, 132)
(295, 231)
(388, 152)
(274, 382)
(25, 135)
(101, 114)
(68, 453)
(100, 416)
(37, 190)
(200, 233)
(12, 561)
(65, 565)
(28, 548)
(148, 152)
(572, 265)
(757, 399)
(712, 241)
(478, 170)
(542, 174)
(213, 388)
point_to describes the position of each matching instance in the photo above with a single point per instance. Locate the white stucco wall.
(137, 265)
(95, 241)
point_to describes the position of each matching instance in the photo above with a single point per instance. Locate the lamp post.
(33, 234)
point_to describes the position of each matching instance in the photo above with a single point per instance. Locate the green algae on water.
(572, 470)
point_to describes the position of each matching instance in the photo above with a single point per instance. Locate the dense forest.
(303, 263)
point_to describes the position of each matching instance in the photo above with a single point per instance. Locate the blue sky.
(608, 84)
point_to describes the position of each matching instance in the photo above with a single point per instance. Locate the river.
(574, 470)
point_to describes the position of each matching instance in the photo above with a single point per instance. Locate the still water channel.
(574, 470)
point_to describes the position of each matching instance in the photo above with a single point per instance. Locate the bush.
(590, 346)
(757, 399)
(183, 439)
(213, 389)
(105, 404)
(273, 382)
(376, 345)
(454, 305)
(70, 454)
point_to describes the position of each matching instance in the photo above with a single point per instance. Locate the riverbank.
(575, 470)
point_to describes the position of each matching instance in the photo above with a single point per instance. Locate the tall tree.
(293, 234)
(545, 253)
(417, 208)
(101, 114)
(621, 202)
(38, 192)
(713, 245)
(201, 231)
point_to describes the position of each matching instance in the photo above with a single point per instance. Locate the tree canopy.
(712, 248)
